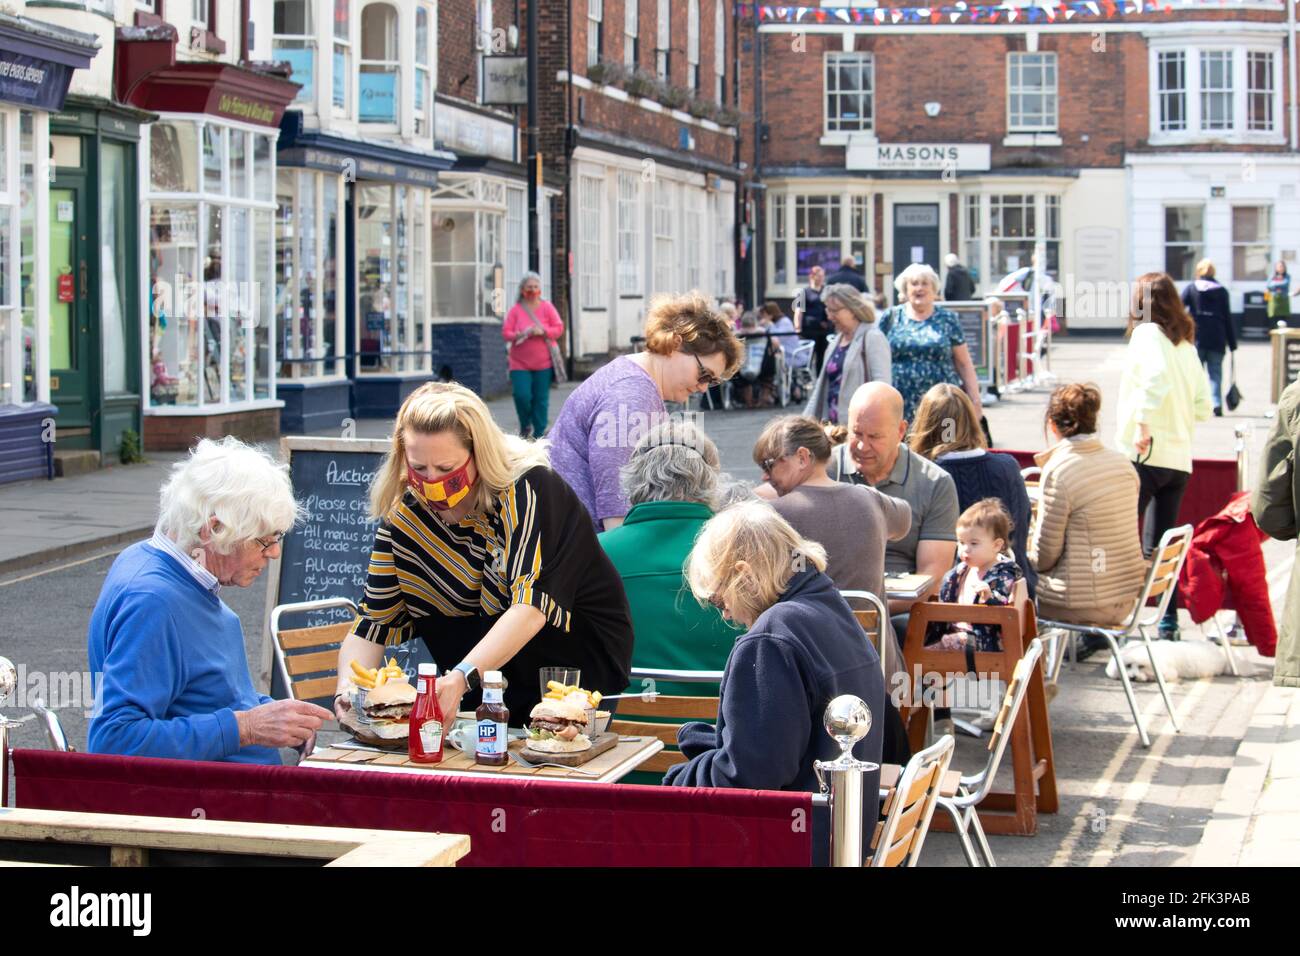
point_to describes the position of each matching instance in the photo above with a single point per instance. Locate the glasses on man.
(268, 545)
(706, 377)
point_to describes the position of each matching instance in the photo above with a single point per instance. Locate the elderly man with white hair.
(926, 343)
(167, 652)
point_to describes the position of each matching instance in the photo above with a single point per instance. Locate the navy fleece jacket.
(802, 651)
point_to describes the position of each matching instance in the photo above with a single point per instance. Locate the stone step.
(75, 461)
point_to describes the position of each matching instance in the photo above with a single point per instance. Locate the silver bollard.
(1245, 436)
(8, 682)
(847, 719)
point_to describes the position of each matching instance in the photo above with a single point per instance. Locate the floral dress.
(1001, 579)
(922, 352)
(834, 374)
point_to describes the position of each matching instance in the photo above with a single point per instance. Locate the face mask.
(445, 493)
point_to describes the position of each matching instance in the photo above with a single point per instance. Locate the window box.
(639, 83)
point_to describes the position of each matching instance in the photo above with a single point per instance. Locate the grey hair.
(853, 300)
(674, 461)
(524, 280)
(732, 490)
(244, 488)
(917, 270)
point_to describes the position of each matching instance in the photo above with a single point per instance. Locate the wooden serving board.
(602, 743)
(358, 730)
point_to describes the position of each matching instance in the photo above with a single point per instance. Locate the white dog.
(1177, 660)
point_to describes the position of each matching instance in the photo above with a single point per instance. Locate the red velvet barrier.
(1213, 482)
(510, 822)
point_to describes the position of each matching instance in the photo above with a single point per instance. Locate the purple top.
(599, 425)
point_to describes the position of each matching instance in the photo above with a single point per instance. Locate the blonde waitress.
(486, 555)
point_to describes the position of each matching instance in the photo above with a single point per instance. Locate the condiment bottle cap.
(493, 677)
(428, 670)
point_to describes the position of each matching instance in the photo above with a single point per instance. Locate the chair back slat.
(312, 663)
(899, 838)
(306, 658)
(677, 710)
(687, 708)
(300, 638)
(1162, 573)
(314, 688)
(627, 728)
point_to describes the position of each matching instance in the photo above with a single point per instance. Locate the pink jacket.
(533, 353)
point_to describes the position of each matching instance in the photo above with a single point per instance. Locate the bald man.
(875, 455)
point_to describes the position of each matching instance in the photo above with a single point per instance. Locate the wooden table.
(907, 587)
(609, 767)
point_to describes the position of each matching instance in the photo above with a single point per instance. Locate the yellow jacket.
(1164, 386)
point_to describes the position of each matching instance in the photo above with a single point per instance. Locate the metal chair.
(910, 807)
(317, 647)
(801, 370)
(53, 728)
(875, 621)
(974, 788)
(1166, 563)
(679, 708)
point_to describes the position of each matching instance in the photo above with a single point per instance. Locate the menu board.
(327, 553)
(973, 317)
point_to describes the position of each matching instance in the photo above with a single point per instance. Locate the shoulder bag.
(558, 373)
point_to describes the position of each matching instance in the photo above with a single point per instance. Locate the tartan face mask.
(445, 493)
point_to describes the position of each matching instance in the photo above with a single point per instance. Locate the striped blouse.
(537, 548)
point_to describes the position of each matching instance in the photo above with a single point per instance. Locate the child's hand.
(982, 591)
(953, 641)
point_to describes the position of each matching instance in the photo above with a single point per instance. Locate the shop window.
(971, 233)
(1252, 243)
(342, 80)
(469, 261)
(173, 157)
(631, 33)
(380, 69)
(115, 271)
(860, 212)
(629, 233)
(239, 183)
(1031, 93)
(723, 215)
(391, 224)
(294, 41)
(850, 92)
(1184, 241)
(665, 236)
(214, 158)
(491, 265)
(693, 244)
(817, 233)
(719, 50)
(780, 268)
(306, 272)
(1014, 229)
(10, 348)
(27, 234)
(517, 237)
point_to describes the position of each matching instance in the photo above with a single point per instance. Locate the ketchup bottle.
(425, 740)
(492, 718)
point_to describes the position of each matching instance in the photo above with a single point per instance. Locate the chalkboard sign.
(326, 555)
(1286, 359)
(973, 317)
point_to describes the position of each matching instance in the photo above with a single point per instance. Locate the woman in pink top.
(530, 327)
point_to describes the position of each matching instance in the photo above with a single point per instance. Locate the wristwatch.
(470, 673)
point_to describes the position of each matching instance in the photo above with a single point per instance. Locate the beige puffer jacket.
(1085, 541)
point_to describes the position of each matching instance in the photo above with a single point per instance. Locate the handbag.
(558, 373)
(1233, 398)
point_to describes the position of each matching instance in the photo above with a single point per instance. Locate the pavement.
(1225, 791)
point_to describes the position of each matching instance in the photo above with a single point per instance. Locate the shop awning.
(147, 75)
(37, 60)
(359, 158)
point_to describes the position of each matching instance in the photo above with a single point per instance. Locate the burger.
(557, 728)
(388, 708)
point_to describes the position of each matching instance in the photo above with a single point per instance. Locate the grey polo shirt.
(923, 485)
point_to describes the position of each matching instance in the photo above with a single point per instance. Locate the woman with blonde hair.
(485, 554)
(689, 346)
(857, 353)
(801, 649)
(947, 431)
(1207, 302)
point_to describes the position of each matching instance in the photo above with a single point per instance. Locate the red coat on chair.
(1225, 562)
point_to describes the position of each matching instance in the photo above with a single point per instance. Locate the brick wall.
(472, 354)
(181, 432)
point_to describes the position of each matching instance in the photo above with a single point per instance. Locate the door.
(916, 235)
(71, 345)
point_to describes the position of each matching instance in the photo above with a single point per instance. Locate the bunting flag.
(1048, 11)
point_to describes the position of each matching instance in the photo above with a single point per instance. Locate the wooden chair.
(1166, 563)
(909, 807)
(974, 788)
(679, 709)
(1033, 765)
(1034, 488)
(875, 621)
(306, 658)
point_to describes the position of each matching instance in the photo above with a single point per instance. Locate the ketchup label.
(491, 738)
(431, 736)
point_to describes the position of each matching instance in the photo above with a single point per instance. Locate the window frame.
(307, 40)
(591, 201)
(1194, 91)
(627, 232)
(719, 53)
(595, 31)
(388, 65)
(1196, 249)
(663, 42)
(782, 237)
(830, 67)
(631, 34)
(1016, 62)
(1270, 241)
(693, 45)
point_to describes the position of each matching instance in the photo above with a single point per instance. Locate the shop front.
(353, 274)
(208, 210)
(36, 65)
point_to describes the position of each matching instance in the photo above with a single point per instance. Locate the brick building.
(639, 136)
(1123, 145)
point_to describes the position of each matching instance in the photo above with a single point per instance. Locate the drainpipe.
(1291, 69)
(570, 136)
(737, 218)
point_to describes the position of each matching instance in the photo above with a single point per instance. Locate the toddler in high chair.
(985, 573)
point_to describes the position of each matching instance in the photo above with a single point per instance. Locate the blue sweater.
(997, 475)
(168, 657)
(801, 652)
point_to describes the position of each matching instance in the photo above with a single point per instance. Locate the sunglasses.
(769, 463)
(706, 377)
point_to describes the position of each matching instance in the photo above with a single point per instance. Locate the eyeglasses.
(706, 377)
(275, 539)
(769, 463)
(717, 601)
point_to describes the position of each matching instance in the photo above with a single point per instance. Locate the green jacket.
(670, 629)
(1275, 504)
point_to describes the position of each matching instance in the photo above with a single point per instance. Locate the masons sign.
(935, 157)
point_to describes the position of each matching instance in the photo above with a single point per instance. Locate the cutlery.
(529, 764)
